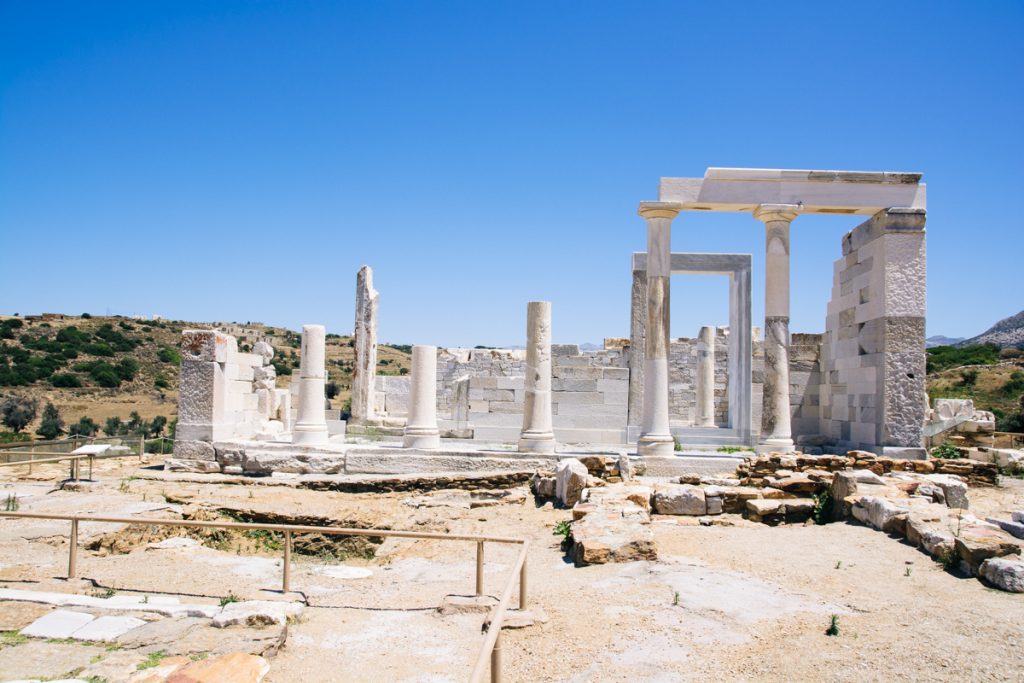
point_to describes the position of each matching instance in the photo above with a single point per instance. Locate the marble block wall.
(872, 393)
(682, 379)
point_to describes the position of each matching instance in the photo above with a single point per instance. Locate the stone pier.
(655, 437)
(538, 435)
(706, 377)
(311, 424)
(365, 343)
(776, 429)
(421, 428)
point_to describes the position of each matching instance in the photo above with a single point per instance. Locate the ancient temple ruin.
(859, 384)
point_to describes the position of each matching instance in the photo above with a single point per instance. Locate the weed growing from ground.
(229, 598)
(833, 626)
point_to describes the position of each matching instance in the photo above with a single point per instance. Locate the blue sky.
(240, 161)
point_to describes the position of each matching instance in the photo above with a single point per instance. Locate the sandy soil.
(739, 602)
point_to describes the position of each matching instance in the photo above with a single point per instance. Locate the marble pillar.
(706, 377)
(421, 427)
(776, 430)
(538, 435)
(364, 372)
(655, 436)
(311, 423)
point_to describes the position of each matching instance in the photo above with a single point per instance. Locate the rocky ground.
(735, 599)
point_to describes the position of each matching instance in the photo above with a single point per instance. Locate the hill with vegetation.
(115, 371)
(992, 377)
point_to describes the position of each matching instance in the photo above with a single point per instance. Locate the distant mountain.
(587, 346)
(939, 340)
(1005, 333)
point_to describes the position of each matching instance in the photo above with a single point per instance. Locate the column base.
(418, 437)
(660, 445)
(537, 442)
(775, 445)
(310, 435)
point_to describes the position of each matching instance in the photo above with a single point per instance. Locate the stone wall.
(682, 379)
(872, 393)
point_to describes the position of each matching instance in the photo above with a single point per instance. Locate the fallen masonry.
(924, 505)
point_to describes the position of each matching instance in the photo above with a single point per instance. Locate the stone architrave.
(656, 437)
(365, 342)
(706, 377)
(311, 423)
(776, 422)
(421, 428)
(538, 435)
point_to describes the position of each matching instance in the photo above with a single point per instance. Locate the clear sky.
(240, 161)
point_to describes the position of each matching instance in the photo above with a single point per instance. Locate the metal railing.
(76, 460)
(491, 648)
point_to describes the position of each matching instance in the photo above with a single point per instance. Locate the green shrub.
(17, 412)
(943, 357)
(1015, 385)
(823, 507)
(968, 378)
(52, 425)
(100, 349)
(169, 355)
(85, 426)
(127, 368)
(113, 426)
(66, 380)
(161, 383)
(946, 451)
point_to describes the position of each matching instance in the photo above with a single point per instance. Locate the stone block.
(201, 393)
(679, 499)
(1003, 573)
(570, 480)
(194, 450)
(59, 624)
(207, 346)
(107, 628)
(199, 466)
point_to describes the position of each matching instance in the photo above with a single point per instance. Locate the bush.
(113, 426)
(332, 389)
(169, 355)
(86, 316)
(946, 451)
(17, 412)
(968, 378)
(72, 335)
(127, 368)
(85, 426)
(98, 350)
(105, 376)
(13, 437)
(1014, 385)
(161, 383)
(66, 381)
(52, 425)
(943, 357)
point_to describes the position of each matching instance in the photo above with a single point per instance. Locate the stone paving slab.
(107, 628)
(60, 623)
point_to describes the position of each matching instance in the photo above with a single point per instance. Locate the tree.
(136, 425)
(17, 412)
(332, 389)
(112, 426)
(52, 425)
(85, 426)
(156, 427)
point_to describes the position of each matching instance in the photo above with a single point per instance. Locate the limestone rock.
(882, 514)
(194, 450)
(264, 351)
(1006, 574)
(1010, 527)
(844, 484)
(570, 480)
(607, 536)
(236, 667)
(691, 478)
(953, 488)
(679, 499)
(542, 486)
(467, 604)
(780, 510)
(199, 466)
(626, 468)
(979, 542)
(256, 613)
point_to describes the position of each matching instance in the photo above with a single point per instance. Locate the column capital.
(776, 212)
(659, 209)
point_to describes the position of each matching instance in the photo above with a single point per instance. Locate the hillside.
(1008, 332)
(993, 379)
(102, 367)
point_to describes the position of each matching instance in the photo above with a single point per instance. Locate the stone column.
(655, 436)
(311, 423)
(538, 435)
(776, 431)
(706, 377)
(364, 373)
(421, 427)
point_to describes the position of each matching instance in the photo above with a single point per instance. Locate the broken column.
(202, 399)
(537, 435)
(421, 427)
(311, 423)
(706, 377)
(776, 430)
(655, 437)
(364, 373)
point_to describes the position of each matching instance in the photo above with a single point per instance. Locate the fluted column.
(537, 435)
(655, 436)
(706, 377)
(776, 429)
(421, 427)
(311, 425)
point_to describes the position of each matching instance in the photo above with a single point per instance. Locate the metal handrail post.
(496, 660)
(522, 586)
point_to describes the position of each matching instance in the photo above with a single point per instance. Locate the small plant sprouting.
(229, 598)
(839, 564)
(676, 445)
(12, 504)
(562, 529)
(949, 560)
(675, 599)
(152, 660)
(906, 572)
(823, 507)
(833, 626)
